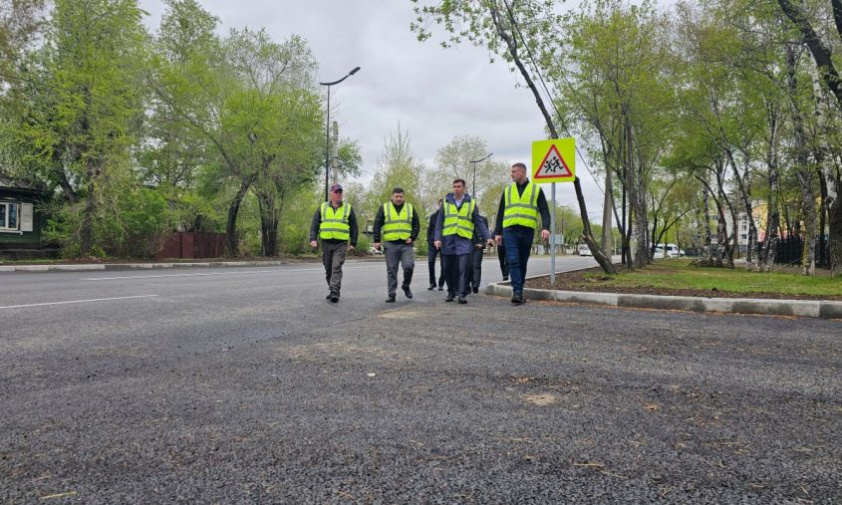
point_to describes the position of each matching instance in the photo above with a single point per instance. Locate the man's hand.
(499, 239)
(478, 245)
(408, 241)
(376, 246)
(545, 234)
(490, 242)
(351, 248)
(314, 244)
(437, 243)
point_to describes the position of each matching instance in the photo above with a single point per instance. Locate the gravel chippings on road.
(426, 402)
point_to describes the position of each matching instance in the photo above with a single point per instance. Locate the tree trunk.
(268, 223)
(607, 208)
(773, 217)
(744, 185)
(805, 175)
(704, 224)
(829, 175)
(86, 232)
(835, 238)
(234, 209)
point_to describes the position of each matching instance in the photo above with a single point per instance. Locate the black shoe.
(462, 300)
(390, 299)
(441, 288)
(407, 292)
(432, 287)
(505, 278)
(517, 298)
(334, 297)
(449, 298)
(328, 296)
(476, 290)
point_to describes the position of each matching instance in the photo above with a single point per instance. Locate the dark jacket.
(431, 227)
(543, 209)
(317, 222)
(381, 218)
(477, 237)
(454, 244)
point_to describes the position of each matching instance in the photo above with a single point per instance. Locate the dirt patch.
(540, 400)
(578, 281)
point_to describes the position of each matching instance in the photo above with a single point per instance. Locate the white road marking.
(263, 271)
(77, 301)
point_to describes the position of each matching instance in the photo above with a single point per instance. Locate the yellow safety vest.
(396, 226)
(521, 210)
(335, 222)
(458, 221)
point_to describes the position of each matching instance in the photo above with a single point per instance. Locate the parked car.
(584, 250)
(667, 251)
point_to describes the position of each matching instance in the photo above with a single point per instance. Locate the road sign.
(554, 160)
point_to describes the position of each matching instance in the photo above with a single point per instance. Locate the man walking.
(397, 225)
(454, 234)
(517, 218)
(476, 258)
(432, 251)
(336, 225)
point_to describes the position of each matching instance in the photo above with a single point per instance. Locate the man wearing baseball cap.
(335, 224)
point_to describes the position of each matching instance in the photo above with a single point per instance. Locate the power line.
(547, 91)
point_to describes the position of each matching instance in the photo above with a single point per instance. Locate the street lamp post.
(474, 182)
(327, 126)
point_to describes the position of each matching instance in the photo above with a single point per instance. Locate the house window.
(9, 216)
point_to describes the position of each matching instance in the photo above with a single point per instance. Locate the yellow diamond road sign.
(554, 160)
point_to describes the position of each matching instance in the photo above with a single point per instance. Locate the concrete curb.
(135, 266)
(798, 308)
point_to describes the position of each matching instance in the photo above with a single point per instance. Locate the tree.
(823, 54)
(509, 30)
(254, 101)
(396, 167)
(79, 103)
(615, 78)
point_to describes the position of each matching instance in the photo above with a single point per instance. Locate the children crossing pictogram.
(554, 160)
(553, 166)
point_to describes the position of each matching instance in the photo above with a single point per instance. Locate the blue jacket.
(454, 244)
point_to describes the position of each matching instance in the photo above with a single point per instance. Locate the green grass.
(679, 274)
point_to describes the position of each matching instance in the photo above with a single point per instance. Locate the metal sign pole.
(552, 240)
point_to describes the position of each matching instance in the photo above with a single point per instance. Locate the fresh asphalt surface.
(244, 385)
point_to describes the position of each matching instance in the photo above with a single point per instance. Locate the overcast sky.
(435, 94)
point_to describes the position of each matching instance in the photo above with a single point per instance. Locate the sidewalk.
(794, 308)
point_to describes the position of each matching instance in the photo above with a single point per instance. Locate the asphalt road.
(244, 385)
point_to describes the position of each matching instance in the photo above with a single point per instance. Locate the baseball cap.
(336, 188)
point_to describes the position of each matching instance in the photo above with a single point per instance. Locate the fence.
(790, 249)
(193, 244)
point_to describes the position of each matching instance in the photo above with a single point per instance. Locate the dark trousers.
(504, 261)
(432, 252)
(476, 269)
(400, 254)
(456, 271)
(518, 242)
(333, 259)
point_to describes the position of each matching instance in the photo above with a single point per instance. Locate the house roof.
(20, 185)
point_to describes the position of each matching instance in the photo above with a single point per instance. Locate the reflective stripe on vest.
(335, 222)
(458, 221)
(521, 210)
(396, 226)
